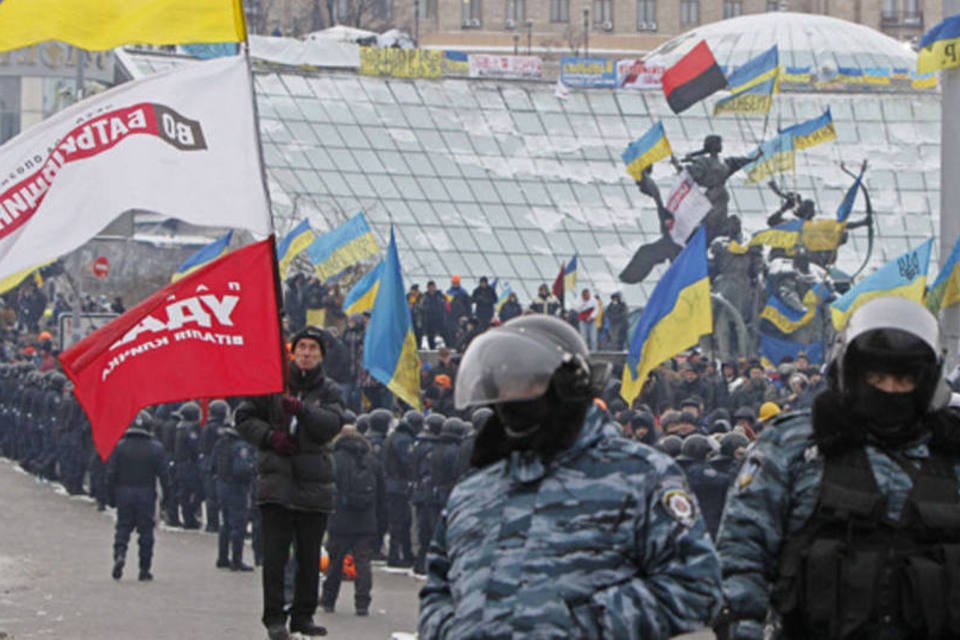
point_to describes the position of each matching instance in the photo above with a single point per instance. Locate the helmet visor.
(504, 365)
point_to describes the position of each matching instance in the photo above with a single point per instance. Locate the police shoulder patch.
(680, 506)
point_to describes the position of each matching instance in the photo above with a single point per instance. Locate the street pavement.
(55, 561)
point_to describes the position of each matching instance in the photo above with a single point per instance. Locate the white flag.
(181, 144)
(688, 206)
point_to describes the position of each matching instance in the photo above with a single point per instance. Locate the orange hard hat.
(44, 335)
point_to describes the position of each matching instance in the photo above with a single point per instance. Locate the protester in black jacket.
(133, 470)
(295, 489)
(354, 526)
(484, 299)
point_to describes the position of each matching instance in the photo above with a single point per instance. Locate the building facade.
(565, 26)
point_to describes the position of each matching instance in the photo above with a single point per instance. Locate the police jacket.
(233, 459)
(398, 460)
(835, 537)
(303, 481)
(187, 443)
(137, 462)
(602, 541)
(351, 450)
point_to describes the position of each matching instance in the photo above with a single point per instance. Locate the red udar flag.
(212, 333)
(694, 77)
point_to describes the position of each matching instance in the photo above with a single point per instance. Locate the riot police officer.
(234, 466)
(564, 529)
(219, 417)
(133, 470)
(844, 522)
(424, 496)
(398, 473)
(186, 454)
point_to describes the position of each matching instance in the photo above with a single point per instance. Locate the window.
(689, 12)
(646, 15)
(911, 10)
(773, 5)
(559, 10)
(472, 15)
(602, 13)
(427, 8)
(9, 107)
(516, 11)
(732, 8)
(889, 10)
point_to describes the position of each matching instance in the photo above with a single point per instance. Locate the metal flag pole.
(949, 185)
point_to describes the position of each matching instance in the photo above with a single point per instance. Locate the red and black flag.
(694, 77)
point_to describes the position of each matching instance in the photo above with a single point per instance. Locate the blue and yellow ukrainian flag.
(846, 205)
(647, 149)
(774, 350)
(797, 75)
(570, 276)
(901, 73)
(850, 75)
(361, 297)
(390, 347)
(782, 236)
(676, 315)
(754, 99)
(293, 245)
(940, 47)
(335, 251)
(765, 66)
(877, 75)
(505, 293)
(923, 80)
(812, 132)
(784, 318)
(945, 291)
(905, 277)
(204, 256)
(777, 156)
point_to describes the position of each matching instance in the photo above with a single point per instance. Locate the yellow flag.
(97, 25)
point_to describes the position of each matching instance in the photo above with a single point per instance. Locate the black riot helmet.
(57, 381)
(670, 445)
(480, 416)
(891, 335)
(522, 359)
(695, 448)
(434, 423)
(380, 420)
(220, 411)
(144, 421)
(349, 417)
(414, 420)
(363, 423)
(455, 427)
(188, 412)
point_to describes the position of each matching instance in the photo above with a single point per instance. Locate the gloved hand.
(282, 442)
(291, 405)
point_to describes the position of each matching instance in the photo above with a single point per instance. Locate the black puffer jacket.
(303, 481)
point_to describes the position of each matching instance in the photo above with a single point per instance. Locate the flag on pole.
(938, 47)
(98, 25)
(181, 143)
(336, 250)
(205, 256)
(777, 155)
(647, 149)
(905, 277)
(293, 244)
(570, 275)
(761, 69)
(363, 295)
(676, 315)
(755, 99)
(390, 347)
(505, 294)
(945, 291)
(214, 333)
(812, 132)
(694, 77)
(688, 205)
(849, 199)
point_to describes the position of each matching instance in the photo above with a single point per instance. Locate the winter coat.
(434, 309)
(137, 462)
(303, 481)
(398, 460)
(510, 309)
(350, 450)
(602, 541)
(484, 299)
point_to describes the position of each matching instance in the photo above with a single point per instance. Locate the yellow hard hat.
(768, 410)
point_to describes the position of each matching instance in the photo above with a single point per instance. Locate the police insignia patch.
(680, 506)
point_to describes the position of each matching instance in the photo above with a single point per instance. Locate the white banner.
(688, 205)
(634, 74)
(181, 144)
(486, 66)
